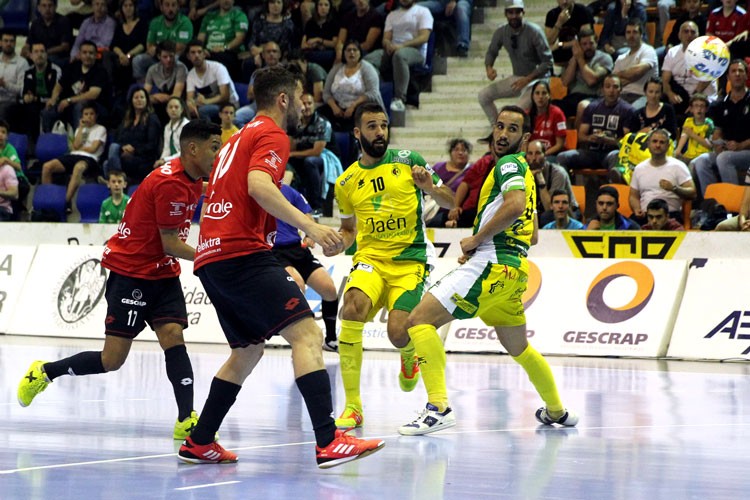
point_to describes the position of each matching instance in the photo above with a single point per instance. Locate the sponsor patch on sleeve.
(509, 168)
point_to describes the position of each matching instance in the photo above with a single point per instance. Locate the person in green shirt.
(171, 25)
(113, 208)
(223, 31)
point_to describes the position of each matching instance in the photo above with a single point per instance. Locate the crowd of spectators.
(666, 137)
(131, 60)
(144, 79)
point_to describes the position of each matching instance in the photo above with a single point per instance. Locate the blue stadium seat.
(50, 197)
(50, 146)
(241, 89)
(342, 141)
(386, 93)
(89, 201)
(16, 16)
(426, 68)
(132, 188)
(21, 143)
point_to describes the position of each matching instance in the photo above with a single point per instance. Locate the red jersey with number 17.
(233, 223)
(166, 199)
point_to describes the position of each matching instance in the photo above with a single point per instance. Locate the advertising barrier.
(714, 320)
(600, 307)
(14, 266)
(591, 307)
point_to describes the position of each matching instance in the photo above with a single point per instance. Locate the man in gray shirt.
(530, 57)
(584, 73)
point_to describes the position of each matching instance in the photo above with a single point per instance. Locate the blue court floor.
(648, 430)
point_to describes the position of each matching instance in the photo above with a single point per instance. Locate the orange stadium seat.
(557, 89)
(571, 139)
(729, 195)
(624, 191)
(580, 193)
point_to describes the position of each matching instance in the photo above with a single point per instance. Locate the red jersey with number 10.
(166, 199)
(233, 223)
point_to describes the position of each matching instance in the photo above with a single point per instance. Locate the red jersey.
(233, 223)
(548, 127)
(475, 177)
(166, 199)
(726, 28)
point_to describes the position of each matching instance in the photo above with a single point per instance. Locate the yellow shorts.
(491, 292)
(393, 285)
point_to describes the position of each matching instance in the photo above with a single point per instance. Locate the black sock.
(180, 373)
(220, 399)
(316, 391)
(330, 309)
(83, 363)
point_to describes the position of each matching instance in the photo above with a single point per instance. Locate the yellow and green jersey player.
(493, 277)
(380, 200)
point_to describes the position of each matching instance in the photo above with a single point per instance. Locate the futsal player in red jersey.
(254, 297)
(144, 284)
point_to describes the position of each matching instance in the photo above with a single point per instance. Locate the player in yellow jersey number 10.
(380, 200)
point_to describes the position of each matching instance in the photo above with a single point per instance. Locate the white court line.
(142, 457)
(442, 433)
(205, 485)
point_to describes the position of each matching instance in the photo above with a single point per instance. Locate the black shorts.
(133, 302)
(297, 257)
(69, 161)
(254, 296)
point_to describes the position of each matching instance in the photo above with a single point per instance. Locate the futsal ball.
(707, 57)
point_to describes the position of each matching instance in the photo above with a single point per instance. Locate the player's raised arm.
(424, 180)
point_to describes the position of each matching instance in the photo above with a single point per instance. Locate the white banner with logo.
(63, 295)
(574, 306)
(14, 265)
(590, 307)
(714, 319)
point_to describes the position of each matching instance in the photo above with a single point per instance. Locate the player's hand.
(463, 259)
(328, 238)
(422, 178)
(308, 242)
(491, 73)
(469, 245)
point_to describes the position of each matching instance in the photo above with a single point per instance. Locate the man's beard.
(376, 149)
(512, 148)
(293, 121)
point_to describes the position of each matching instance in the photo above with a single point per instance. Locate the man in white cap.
(530, 57)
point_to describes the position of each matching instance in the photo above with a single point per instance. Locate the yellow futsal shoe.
(352, 416)
(182, 429)
(409, 374)
(34, 382)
